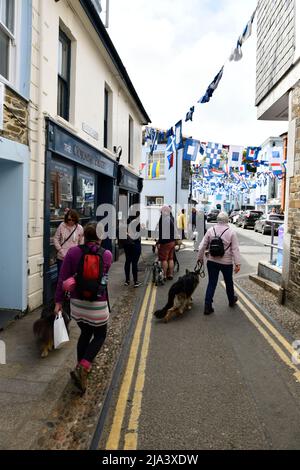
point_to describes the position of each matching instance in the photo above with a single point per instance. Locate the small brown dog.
(43, 328)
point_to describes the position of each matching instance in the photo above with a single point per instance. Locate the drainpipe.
(40, 148)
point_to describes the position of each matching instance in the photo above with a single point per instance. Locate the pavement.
(30, 387)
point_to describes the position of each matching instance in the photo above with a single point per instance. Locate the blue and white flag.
(153, 140)
(189, 114)
(212, 87)
(235, 156)
(237, 54)
(252, 153)
(213, 152)
(170, 151)
(191, 149)
(169, 132)
(206, 173)
(178, 135)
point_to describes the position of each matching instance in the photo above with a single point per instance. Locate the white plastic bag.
(60, 331)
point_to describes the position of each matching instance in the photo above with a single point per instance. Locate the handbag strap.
(69, 236)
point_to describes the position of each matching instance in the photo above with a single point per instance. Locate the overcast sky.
(172, 50)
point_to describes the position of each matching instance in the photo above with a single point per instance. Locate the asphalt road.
(219, 382)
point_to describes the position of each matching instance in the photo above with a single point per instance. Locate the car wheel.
(264, 232)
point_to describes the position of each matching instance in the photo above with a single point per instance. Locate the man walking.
(220, 245)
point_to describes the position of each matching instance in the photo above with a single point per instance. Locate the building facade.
(278, 98)
(15, 52)
(171, 186)
(86, 130)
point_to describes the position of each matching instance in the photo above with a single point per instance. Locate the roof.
(96, 21)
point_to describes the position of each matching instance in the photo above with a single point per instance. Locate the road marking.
(288, 347)
(132, 434)
(115, 432)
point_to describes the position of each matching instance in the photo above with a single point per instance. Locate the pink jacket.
(62, 233)
(230, 241)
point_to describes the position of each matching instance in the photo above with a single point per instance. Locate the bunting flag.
(191, 149)
(206, 173)
(217, 172)
(170, 151)
(189, 115)
(178, 135)
(242, 169)
(237, 54)
(212, 87)
(252, 153)
(169, 133)
(276, 168)
(154, 169)
(153, 140)
(235, 156)
(142, 166)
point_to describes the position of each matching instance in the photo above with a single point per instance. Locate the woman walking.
(220, 245)
(91, 316)
(166, 242)
(68, 234)
(133, 249)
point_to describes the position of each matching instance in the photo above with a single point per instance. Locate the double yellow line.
(140, 342)
(267, 331)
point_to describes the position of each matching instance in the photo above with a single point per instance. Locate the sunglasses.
(70, 220)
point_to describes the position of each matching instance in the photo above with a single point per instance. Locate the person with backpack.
(220, 244)
(84, 274)
(68, 234)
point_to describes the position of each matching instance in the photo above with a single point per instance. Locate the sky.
(172, 50)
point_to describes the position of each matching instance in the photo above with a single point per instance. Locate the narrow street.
(225, 381)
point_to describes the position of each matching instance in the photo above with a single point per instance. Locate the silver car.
(265, 222)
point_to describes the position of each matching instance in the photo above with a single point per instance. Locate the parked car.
(248, 218)
(212, 215)
(264, 223)
(233, 214)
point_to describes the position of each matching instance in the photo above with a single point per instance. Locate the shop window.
(85, 198)
(7, 36)
(61, 196)
(156, 157)
(154, 201)
(64, 65)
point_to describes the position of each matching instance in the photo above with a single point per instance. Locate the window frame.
(107, 117)
(130, 140)
(63, 104)
(11, 36)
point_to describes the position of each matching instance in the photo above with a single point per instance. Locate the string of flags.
(154, 137)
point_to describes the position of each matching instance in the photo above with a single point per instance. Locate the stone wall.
(293, 289)
(275, 43)
(15, 117)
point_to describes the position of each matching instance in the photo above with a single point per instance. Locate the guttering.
(94, 18)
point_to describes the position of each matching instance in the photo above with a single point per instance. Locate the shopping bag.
(60, 332)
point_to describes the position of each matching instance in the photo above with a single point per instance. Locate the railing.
(272, 245)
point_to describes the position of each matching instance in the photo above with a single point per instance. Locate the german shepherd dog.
(43, 327)
(179, 297)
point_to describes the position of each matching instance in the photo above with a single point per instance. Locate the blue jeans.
(213, 276)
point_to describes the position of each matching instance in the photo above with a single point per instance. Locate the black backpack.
(216, 247)
(89, 274)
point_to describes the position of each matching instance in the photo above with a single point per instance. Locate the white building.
(84, 111)
(166, 189)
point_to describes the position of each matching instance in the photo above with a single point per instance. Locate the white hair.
(223, 218)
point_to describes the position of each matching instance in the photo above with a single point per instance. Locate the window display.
(61, 197)
(85, 198)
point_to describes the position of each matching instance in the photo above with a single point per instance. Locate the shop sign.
(70, 147)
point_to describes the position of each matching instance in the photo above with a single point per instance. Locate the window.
(61, 194)
(85, 199)
(130, 140)
(154, 201)
(7, 31)
(157, 157)
(64, 64)
(107, 129)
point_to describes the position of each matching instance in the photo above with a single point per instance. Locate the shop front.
(77, 176)
(129, 188)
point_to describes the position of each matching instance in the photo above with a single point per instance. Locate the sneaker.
(127, 283)
(232, 304)
(137, 284)
(79, 376)
(208, 309)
